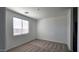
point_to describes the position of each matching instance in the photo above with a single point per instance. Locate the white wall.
(69, 29)
(53, 29)
(57, 29)
(13, 41)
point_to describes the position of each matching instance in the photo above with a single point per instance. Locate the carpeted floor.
(40, 46)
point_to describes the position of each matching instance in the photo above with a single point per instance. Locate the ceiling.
(40, 12)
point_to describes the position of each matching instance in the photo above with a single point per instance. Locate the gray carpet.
(40, 46)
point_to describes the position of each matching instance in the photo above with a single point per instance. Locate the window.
(25, 27)
(20, 26)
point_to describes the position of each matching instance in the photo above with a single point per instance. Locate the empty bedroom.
(36, 29)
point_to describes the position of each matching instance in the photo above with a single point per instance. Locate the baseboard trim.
(52, 41)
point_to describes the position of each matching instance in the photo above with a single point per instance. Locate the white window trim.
(21, 33)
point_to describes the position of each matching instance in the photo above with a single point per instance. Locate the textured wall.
(13, 41)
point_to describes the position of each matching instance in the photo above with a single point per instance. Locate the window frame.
(21, 33)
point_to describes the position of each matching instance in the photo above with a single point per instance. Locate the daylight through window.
(20, 26)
